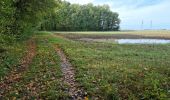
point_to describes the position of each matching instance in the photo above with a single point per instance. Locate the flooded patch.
(128, 41)
(143, 41)
(97, 40)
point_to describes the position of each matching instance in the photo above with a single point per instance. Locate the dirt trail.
(16, 74)
(74, 90)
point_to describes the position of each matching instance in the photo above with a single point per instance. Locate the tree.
(30, 13)
(24, 16)
(74, 17)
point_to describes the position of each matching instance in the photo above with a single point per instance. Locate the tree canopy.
(23, 16)
(75, 17)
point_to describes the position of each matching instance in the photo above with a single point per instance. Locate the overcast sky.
(132, 12)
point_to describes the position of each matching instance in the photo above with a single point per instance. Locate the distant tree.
(74, 17)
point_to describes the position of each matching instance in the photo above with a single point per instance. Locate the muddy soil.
(75, 91)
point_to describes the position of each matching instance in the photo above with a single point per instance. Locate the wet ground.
(142, 41)
(128, 41)
(119, 38)
(75, 91)
(113, 36)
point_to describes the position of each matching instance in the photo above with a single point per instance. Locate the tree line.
(75, 17)
(25, 16)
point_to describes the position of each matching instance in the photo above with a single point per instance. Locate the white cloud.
(159, 14)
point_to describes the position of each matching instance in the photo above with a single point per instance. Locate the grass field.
(104, 70)
(113, 71)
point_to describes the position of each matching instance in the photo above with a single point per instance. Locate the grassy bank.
(113, 71)
(11, 52)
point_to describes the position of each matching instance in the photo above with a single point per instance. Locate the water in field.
(129, 41)
(142, 41)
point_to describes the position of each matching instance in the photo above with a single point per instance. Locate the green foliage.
(6, 16)
(30, 13)
(22, 17)
(74, 17)
(11, 56)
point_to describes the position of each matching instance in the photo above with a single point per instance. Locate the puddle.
(142, 41)
(128, 41)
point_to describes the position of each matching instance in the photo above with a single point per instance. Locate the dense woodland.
(25, 16)
(75, 17)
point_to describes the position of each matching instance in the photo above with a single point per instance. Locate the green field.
(106, 71)
(113, 71)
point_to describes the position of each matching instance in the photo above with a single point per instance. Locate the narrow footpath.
(75, 91)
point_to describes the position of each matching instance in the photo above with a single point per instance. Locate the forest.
(75, 17)
(24, 17)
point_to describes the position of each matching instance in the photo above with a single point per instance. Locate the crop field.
(148, 33)
(97, 70)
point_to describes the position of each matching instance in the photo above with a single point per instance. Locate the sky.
(154, 14)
